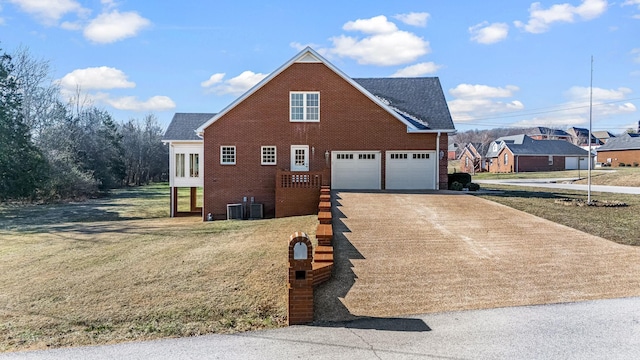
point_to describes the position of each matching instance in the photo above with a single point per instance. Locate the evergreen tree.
(22, 167)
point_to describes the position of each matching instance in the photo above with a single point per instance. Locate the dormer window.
(304, 106)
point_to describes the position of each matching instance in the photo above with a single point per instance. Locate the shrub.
(635, 164)
(473, 186)
(621, 164)
(457, 186)
(462, 178)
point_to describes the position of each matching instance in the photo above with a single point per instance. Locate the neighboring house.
(471, 158)
(545, 133)
(308, 124)
(603, 136)
(186, 163)
(521, 153)
(452, 153)
(580, 135)
(622, 149)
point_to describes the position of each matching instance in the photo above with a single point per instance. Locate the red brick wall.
(618, 156)
(348, 121)
(525, 163)
(540, 163)
(498, 165)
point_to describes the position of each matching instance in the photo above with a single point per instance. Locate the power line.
(521, 114)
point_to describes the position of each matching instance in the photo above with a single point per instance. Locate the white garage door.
(358, 170)
(410, 170)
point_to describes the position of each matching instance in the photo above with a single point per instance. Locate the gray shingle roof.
(183, 126)
(541, 130)
(419, 100)
(523, 145)
(622, 142)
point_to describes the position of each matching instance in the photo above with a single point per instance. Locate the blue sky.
(501, 63)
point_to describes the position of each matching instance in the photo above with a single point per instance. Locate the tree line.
(54, 149)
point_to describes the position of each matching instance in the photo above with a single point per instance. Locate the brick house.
(545, 133)
(308, 124)
(622, 149)
(521, 153)
(472, 159)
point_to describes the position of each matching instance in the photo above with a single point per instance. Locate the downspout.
(438, 162)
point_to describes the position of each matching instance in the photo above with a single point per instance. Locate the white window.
(268, 155)
(551, 160)
(179, 165)
(506, 158)
(227, 155)
(396, 156)
(305, 106)
(194, 165)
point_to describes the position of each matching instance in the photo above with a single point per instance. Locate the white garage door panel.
(410, 170)
(357, 170)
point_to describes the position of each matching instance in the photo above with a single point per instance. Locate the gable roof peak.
(308, 55)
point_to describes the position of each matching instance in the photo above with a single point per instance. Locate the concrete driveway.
(399, 254)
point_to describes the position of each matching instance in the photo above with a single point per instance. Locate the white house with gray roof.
(186, 158)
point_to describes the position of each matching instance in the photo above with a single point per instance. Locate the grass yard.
(619, 224)
(627, 176)
(118, 269)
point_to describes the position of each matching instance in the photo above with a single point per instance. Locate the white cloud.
(108, 4)
(50, 11)
(214, 79)
(234, 86)
(417, 70)
(68, 25)
(375, 25)
(575, 111)
(414, 19)
(473, 101)
(540, 19)
(384, 44)
(484, 33)
(92, 78)
(114, 26)
(468, 91)
(154, 103)
(636, 53)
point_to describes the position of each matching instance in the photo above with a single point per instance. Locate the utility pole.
(590, 123)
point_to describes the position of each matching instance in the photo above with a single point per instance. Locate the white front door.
(299, 157)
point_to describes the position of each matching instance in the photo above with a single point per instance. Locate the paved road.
(558, 184)
(604, 329)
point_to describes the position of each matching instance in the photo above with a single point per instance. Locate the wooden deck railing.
(299, 179)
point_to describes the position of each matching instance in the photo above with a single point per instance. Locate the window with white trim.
(551, 160)
(268, 155)
(179, 165)
(506, 158)
(304, 106)
(227, 155)
(194, 165)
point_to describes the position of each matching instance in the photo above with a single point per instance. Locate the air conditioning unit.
(235, 211)
(255, 211)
